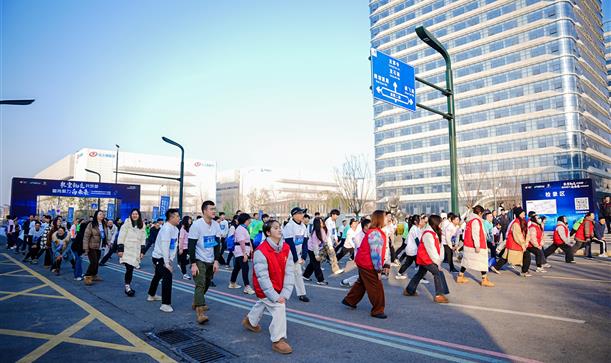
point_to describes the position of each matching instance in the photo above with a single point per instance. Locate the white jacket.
(131, 240)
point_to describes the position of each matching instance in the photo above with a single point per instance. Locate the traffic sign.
(393, 81)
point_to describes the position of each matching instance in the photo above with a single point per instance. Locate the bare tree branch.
(352, 179)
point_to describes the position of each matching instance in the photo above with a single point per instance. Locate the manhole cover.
(190, 345)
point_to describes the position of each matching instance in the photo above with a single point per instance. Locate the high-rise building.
(607, 27)
(531, 99)
(199, 183)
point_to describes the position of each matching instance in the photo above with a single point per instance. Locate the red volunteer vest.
(276, 263)
(422, 258)
(557, 239)
(539, 232)
(469, 234)
(581, 231)
(363, 255)
(511, 244)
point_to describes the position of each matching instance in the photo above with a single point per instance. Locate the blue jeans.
(78, 266)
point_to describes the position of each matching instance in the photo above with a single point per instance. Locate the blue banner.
(569, 198)
(155, 213)
(164, 205)
(70, 217)
(110, 213)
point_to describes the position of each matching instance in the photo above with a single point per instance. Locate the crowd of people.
(284, 253)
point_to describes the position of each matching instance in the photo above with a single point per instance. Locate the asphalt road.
(559, 316)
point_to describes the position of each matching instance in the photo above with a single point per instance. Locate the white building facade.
(199, 184)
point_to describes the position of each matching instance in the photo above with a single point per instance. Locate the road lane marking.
(511, 312)
(575, 279)
(79, 341)
(22, 292)
(33, 294)
(56, 340)
(138, 343)
(359, 329)
(10, 272)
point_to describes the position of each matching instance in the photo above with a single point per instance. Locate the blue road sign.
(155, 213)
(164, 205)
(110, 213)
(70, 215)
(393, 81)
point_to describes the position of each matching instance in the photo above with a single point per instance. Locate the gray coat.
(262, 271)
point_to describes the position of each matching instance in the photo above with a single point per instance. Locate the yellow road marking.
(33, 294)
(15, 275)
(17, 293)
(575, 278)
(10, 272)
(88, 342)
(56, 340)
(138, 343)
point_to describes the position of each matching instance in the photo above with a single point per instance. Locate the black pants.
(239, 264)
(408, 262)
(568, 252)
(463, 269)
(500, 262)
(588, 247)
(339, 246)
(449, 257)
(94, 261)
(47, 253)
(344, 252)
(223, 248)
(422, 270)
(538, 255)
(113, 248)
(183, 261)
(32, 252)
(313, 267)
(56, 264)
(148, 245)
(229, 257)
(129, 273)
(492, 249)
(165, 276)
(608, 222)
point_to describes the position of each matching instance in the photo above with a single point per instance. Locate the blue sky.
(271, 83)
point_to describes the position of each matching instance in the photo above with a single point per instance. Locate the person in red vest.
(561, 240)
(475, 250)
(429, 258)
(372, 259)
(585, 232)
(517, 242)
(535, 241)
(273, 280)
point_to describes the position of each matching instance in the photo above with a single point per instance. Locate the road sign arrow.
(378, 89)
(395, 85)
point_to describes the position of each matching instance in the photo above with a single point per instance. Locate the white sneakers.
(248, 290)
(341, 270)
(153, 298)
(166, 308)
(547, 265)
(540, 269)
(233, 285)
(400, 277)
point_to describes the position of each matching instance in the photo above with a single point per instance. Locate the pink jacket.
(183, 239)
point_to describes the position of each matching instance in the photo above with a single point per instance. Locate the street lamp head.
(117, 145)
(431, 41)
(16, 102)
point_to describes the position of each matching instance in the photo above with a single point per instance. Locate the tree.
(471, 180)
(257, 199)
(353, 178)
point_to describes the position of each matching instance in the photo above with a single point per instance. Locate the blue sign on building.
(393, 81)
(155, 213)
(164, 205)
(70, 217)
(569, 198)
(110, 212)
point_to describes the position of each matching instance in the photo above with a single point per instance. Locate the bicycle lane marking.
(138, 343)
(358, 328)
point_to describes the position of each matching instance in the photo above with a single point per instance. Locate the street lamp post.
(181, 179)
(99, 181)
(117, 178)
(448, 91)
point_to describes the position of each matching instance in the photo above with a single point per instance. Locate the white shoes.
(547, 265)
(153, 298)
(425, 281)
(248, 290)
(341, 270)
(186, 277)
(234, 285)
(166, 308)
(400, 277)
(540, 269)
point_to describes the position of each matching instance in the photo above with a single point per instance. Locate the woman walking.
(131, 244)
(429, 259)
(315, 246)
(416, 225)
(230, 241)
(371, 259)
(241, 253)
(475, 248)
(60, 239)
(95, 236)
(449, 237)
(515, 247)
(183, 246)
